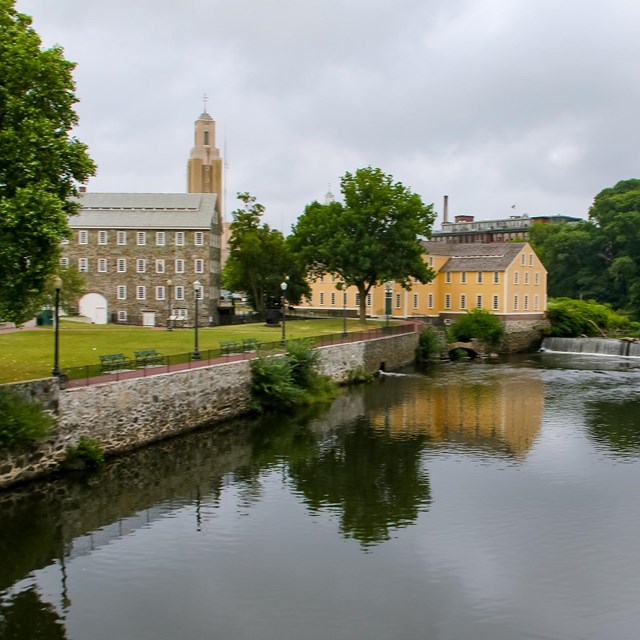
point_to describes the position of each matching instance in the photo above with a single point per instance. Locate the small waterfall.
(593, 346)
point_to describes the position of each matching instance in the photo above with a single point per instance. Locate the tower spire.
(205, 97)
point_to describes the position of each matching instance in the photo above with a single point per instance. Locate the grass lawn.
(28, 354)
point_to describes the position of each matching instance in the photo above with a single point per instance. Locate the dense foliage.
(372, 238)
(40, 163)
(260, 260)
(283, 382)
(87, 454)
(600, 258)
(21, 422)
(479, 324)
(429, 345)
(571, 318)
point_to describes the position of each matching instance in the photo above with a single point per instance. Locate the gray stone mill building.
(141, 253)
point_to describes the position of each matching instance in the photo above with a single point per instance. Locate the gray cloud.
(493, 102)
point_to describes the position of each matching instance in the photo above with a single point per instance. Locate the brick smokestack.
(445, 210)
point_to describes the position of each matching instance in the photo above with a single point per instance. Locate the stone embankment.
(123, 415)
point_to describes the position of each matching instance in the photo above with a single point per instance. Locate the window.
(479, 277)
(526, 303)
(160, 238)
(333, 299)
(531, 260)
(516, 277)
(321, 278)
(64, 241)
(159, 266)
(526, 277)
(122, 237)
(496, 277)
(198, 266)
(180, 314)
(102, 265)
(322, 297)
(463, 300)
(122, 292)
(398, 300)
(179, 266)
(64, 262)
(141, 237)
(83, 265)
(83, 237)
(141, 292)
(415, 300)
(463, 277)
(159, 293)
(536, 302)
(496, 303)
(179, 238)
(141, 265)
(479, 301)
(536, 278)
(102, 237)
(430, 301)
(198, 238)
(179, 292)
(369, 300)
(357, 300)
(333, 277)
(431, 261)
(447, 301)
(522, 259)
(122, 316)
(515, 303)
(447, 277)
(122, 265)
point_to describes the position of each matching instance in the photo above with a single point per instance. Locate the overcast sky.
(494, 102)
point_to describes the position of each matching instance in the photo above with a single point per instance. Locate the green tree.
(73, 287)
(40, 163)
(479, 324)
(260, 259)
(372, 238)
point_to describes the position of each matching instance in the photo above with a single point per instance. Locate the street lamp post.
(169, 288)
(197, 287)
(283, 286)
(57, 284)
(344, 311)
(388, 289)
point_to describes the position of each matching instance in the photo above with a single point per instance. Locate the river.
(474, 501)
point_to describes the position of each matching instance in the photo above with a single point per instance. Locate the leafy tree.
(372, 238)
(40, 163)
(480, 324)
(260, 258)
(73, 287)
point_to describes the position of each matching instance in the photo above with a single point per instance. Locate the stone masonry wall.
(127, 414)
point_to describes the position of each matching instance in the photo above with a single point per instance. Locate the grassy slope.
(28, 354)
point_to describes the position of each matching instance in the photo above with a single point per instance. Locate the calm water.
(478, 501)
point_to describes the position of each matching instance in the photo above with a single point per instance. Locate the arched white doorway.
(94, 306)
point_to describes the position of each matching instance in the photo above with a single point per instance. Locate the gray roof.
(146, 211)
(494, 256)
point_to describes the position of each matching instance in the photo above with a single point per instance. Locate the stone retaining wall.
(126, 414)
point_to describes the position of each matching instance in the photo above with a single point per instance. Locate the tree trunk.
(362, 291)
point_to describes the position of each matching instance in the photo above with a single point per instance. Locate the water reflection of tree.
(25, 616)
(371, 476)
(616, 426)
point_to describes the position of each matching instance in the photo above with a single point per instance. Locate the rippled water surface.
(474, 501)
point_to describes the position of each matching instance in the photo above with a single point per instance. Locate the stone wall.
(127, 414)
(523, 335)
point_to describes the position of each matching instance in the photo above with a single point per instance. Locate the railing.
(93, 373)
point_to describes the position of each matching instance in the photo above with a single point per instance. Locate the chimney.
(83, 189)
(445, 210)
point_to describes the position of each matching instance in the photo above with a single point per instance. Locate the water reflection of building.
(499, 413)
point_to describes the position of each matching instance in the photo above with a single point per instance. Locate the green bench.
(147, 357)
(227, 347)
(115, 362)
(250, 344)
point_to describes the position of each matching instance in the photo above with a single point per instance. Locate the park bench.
(250, 344)
(147, 357)
(115, 362)
(228, 347)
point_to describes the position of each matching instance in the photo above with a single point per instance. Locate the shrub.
(87, 454)
(272, 385)
(480, 324)
(429, 344)
(358, 376)
(570, 318)
(304, 360)
(21, 422)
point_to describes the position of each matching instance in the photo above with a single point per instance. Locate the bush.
(358, 376)
(570, 318)
(429, 344)
(21, 422)
(304, 360)
(480, 324)
(87, 454)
